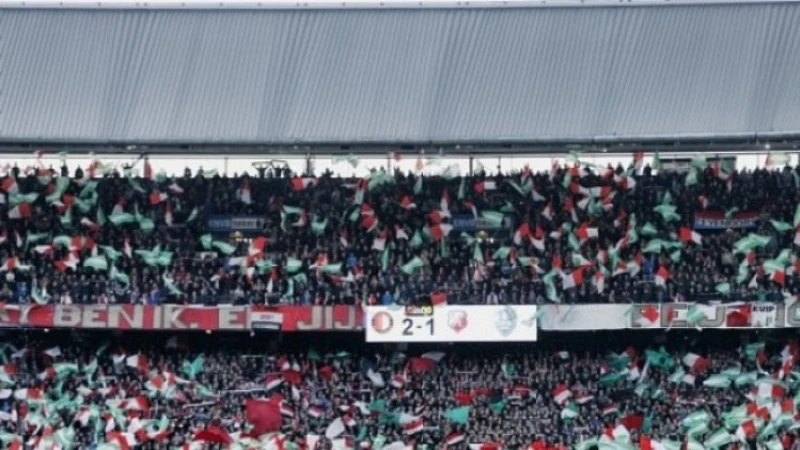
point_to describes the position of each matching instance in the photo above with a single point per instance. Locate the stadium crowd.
(576, 234)
(75, 390)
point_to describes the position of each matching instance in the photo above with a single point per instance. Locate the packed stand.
(95, 393)
(578, 234)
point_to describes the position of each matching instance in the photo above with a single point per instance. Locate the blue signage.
(468, 222)
(227, 224)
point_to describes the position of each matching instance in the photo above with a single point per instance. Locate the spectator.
(82, 390)
(574, 235)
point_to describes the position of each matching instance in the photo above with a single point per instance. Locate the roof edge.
(333, 5)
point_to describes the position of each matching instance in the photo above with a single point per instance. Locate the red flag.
(264, 416)
(633, 421)
(214, 434)
(421, 365)
(438, 298)
(463, 398)
(148, 170)
(644, 443)
(738, 316)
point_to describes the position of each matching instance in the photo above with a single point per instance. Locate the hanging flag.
(413, 427)
(483, 186)
(158, 197)
(695, 362)
(662, 276)
(585, 233)
(138, 362)
(148, 169)
(561, 394)
(300, 184)
(638, 161)
(573, 279)
(689, 235)
(244, 192)
(20, 212)
(777, 159)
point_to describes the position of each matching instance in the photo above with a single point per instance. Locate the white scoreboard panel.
(451, 323)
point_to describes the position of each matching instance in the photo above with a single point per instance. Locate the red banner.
(176, 317)
(322, 318)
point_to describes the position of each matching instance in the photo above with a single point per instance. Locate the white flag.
(335, 429)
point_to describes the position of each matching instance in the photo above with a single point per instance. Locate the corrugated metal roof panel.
(399, 75)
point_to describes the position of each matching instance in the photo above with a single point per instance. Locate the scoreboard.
(446, 323)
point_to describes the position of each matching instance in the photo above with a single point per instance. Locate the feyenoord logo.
(382, 322)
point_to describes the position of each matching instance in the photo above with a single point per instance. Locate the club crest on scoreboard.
(382, 322)
(457, 320)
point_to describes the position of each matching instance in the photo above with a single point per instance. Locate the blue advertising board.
(228, 224)
(468, 222)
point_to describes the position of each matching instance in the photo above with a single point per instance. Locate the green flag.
(333, 268)
(698, 162)
(717, 382)
(492, 218)
(752, 350)
(96, 263)
(498, 406)
(691, 178)
(318, 228)
(660, 358)
(169, 283)
(110, 252)
(293, 265)
(611, 379)
(501, 253)
(193, 215)
(193, 368)
(745, 379)
(416, 240)
(121, 219)
(458, 415)
(696, 418)
(649, 230)
(205, 241)
(119, 276)
(224, 247)
(509, 370)
(66, 219)
(570, 411)
(477, 254)
(780, 227)
(411, 266)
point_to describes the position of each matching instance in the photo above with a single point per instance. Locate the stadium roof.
(398, 75)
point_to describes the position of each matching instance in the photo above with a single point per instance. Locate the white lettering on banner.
(485, 323)
(584, 317)
(91, 316)
(667, 315)
(67, 316)
(322, 318)
(236, 318)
